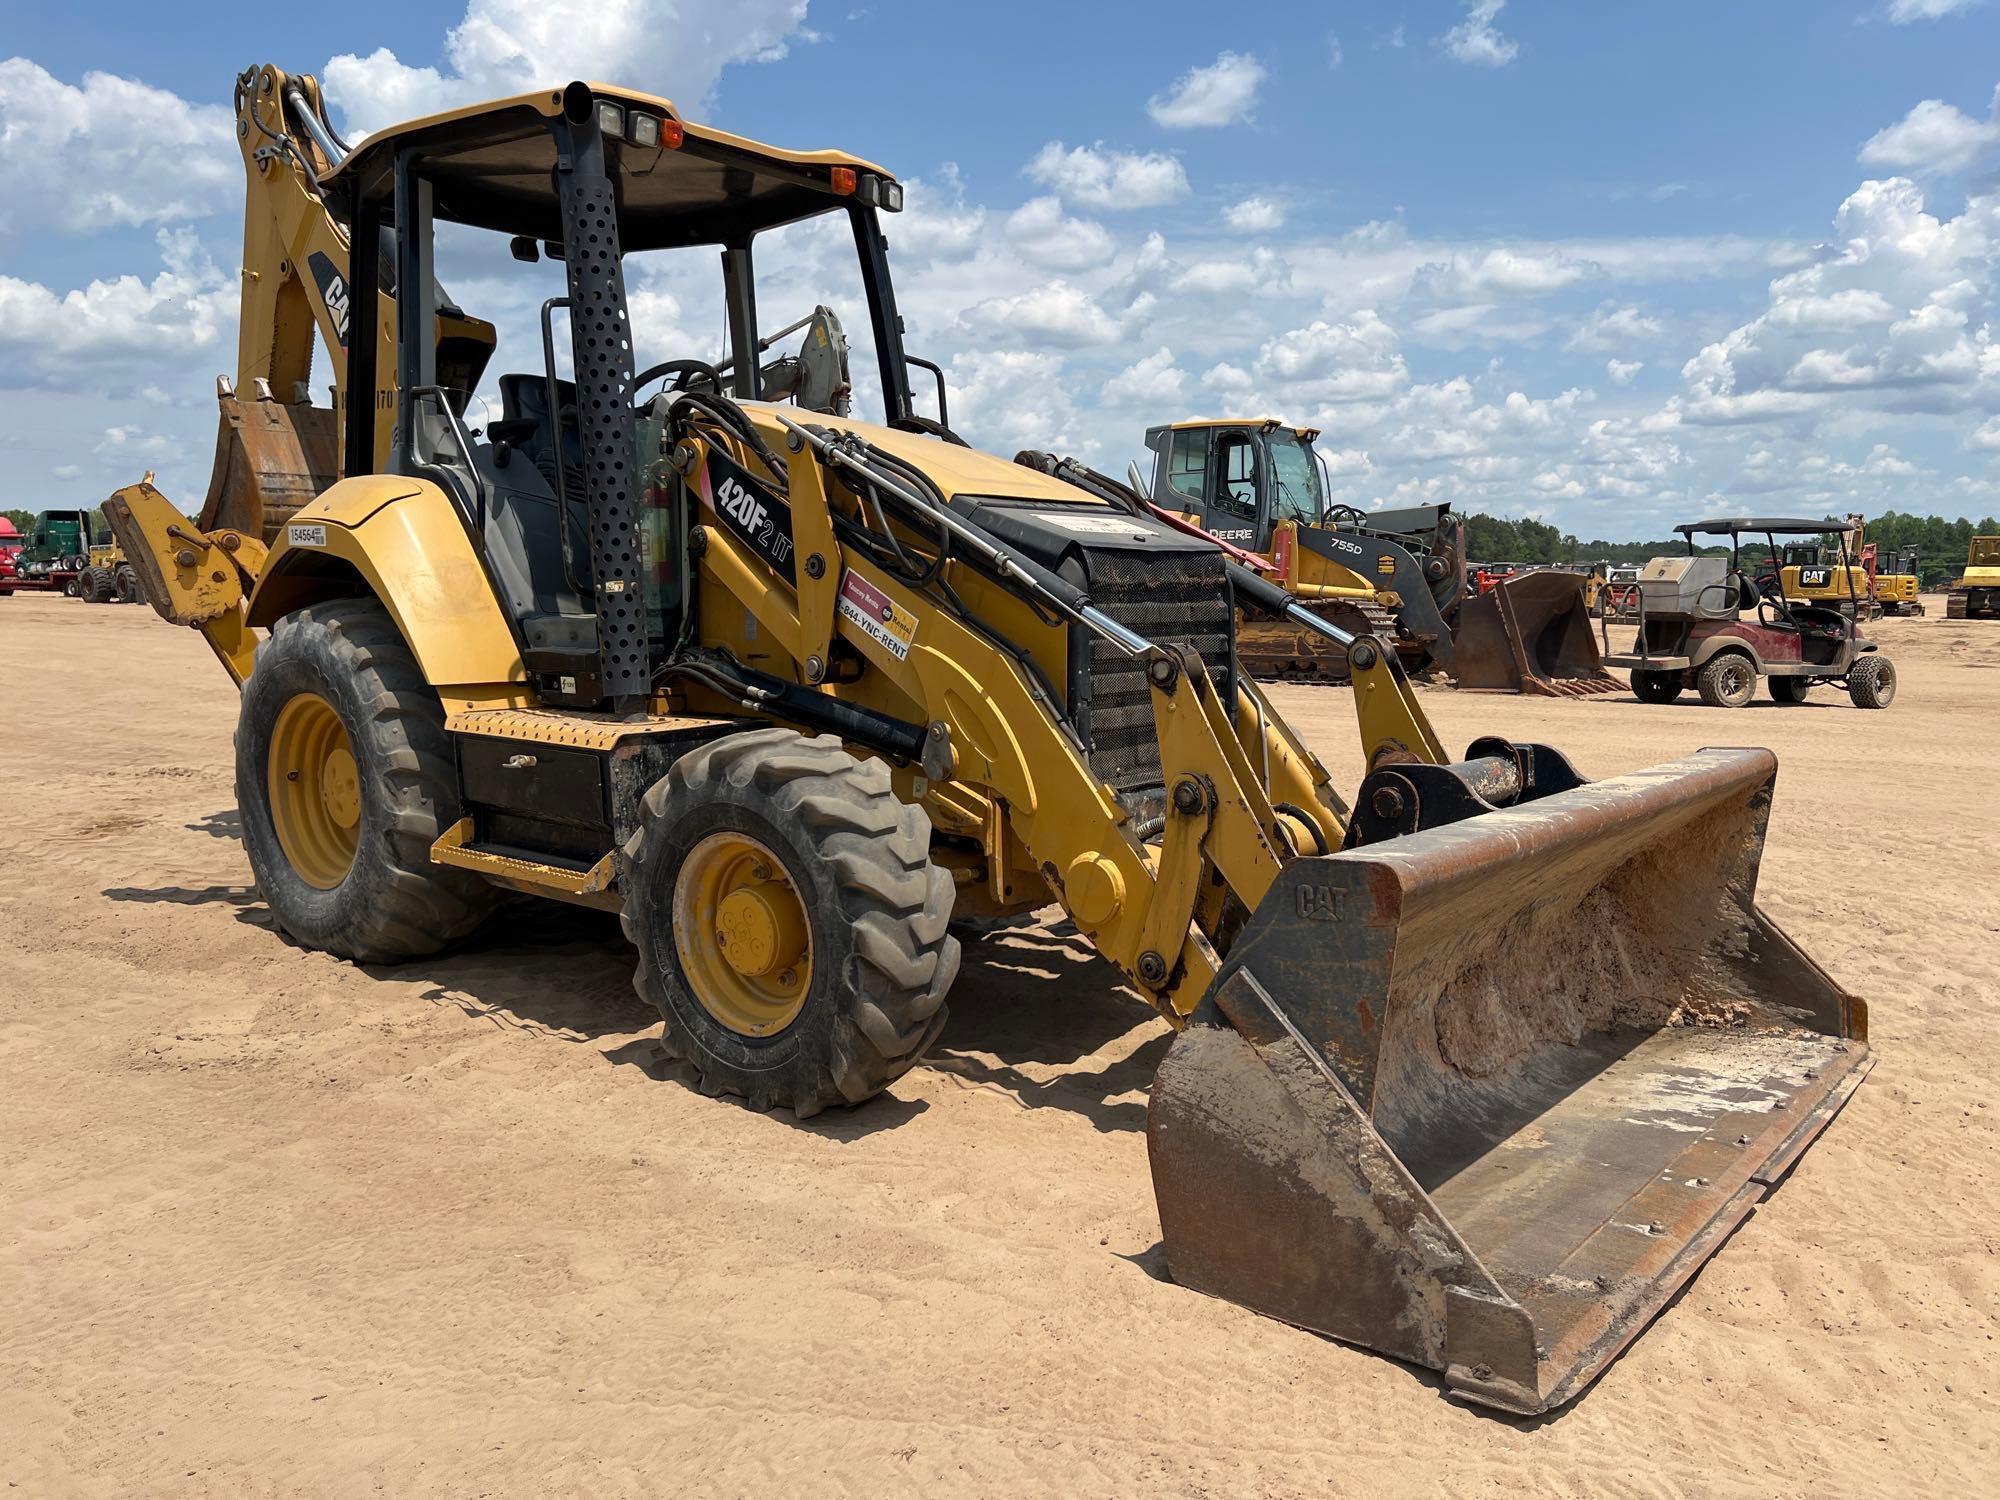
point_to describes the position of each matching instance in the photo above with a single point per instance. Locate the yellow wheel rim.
(315, 790)
(741, 931)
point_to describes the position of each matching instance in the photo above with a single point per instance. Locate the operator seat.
(551, 603)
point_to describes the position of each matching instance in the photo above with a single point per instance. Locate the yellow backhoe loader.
(1475, 1071)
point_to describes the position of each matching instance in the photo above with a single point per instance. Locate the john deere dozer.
(1396, 574)
(1474, 1072)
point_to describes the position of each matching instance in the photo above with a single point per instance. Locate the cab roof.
(1774, 525)
(492, 166)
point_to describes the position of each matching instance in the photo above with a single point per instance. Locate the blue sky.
(1606, 264)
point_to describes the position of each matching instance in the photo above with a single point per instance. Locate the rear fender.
(400, 540)
(1704, 649)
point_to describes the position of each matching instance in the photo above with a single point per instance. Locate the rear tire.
(1728, 680)
(100, 585)
(1871, 682)
(878, 957)
(1656, 687)
(1788, 689)
(127, 581)
(73, 585)
(390, 902)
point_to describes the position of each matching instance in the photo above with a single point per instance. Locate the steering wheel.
(1346, 515)
(683, 370)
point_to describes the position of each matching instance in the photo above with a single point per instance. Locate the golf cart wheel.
(1871, 682)
(1656, 687)
(1729, 680)
(1788, 689)
(791, 927)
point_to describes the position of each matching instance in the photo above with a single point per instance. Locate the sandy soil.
(271, 1223)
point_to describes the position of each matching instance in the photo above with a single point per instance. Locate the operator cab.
(1238, 479)
(568, 492)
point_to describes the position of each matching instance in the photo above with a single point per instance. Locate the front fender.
(402, 539)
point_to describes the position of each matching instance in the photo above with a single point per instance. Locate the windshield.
(1296, 475)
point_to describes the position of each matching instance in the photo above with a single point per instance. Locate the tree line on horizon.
(1941, 544)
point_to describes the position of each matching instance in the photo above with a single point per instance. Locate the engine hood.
(954, 470)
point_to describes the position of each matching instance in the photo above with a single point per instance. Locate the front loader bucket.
(1484, 1096)
(1530, 634)
(271, 457)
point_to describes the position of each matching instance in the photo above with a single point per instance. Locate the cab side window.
(1186, 464)
(1236, 474)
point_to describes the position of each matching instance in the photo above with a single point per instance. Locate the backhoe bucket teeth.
(271, 457)
(1484, 1096)
(1530, 634)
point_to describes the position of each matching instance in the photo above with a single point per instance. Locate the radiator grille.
(1179, 599)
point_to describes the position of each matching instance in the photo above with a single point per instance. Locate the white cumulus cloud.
(1904, 12)
(111, 152)
(1255, 215)
(1223, 93)
(1933, 137)
(502, 47)
(1476, 40)
(1045, 235)
(1101, 178)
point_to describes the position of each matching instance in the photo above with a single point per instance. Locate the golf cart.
(1703, 622)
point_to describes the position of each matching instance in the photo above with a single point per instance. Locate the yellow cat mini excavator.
(1474, 1070)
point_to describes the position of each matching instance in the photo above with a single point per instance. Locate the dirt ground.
(272, 1223)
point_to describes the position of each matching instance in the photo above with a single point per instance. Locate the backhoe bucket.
(1530, 634)
(271, 457)
(1484, 1096)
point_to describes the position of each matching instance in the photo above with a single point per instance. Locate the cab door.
(1238, 509)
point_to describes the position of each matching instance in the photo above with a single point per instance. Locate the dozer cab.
(1257, 484)
(1707, 623)
(1474, 1070)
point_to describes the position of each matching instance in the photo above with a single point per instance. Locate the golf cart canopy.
(1771, 525)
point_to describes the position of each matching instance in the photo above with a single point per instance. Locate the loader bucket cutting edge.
(1483, 1097)
(1530, 634)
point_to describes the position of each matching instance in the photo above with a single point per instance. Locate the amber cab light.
(843, 180)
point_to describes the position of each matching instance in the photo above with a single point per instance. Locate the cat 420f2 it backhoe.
(1475, 1072)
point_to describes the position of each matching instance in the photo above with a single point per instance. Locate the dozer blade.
(1484, 1096)
(1530, 634)
(271, 457)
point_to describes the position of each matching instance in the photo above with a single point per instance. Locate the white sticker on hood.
(1084, 524)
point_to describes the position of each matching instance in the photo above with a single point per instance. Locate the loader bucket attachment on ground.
(1484, 1096)
(1530, 634)
(271, 457)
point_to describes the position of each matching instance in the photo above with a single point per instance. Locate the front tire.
(100, 585)
(1871, 682)
(1656, 687)
(1728, 680)
(126, 580)
(806, 858)
(344, 777)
